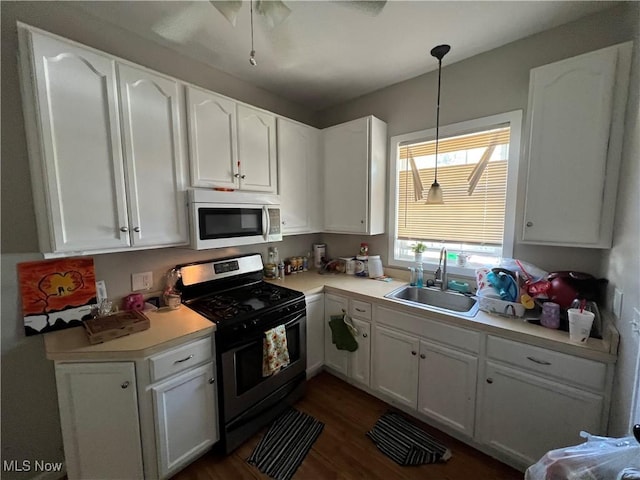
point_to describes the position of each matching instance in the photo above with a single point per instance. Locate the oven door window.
(229, 222)
(249, 360)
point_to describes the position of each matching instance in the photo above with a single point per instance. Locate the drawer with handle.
(180, 358)
(360, 309)
(575, 370)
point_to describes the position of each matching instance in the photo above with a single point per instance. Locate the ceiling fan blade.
(228, 8)
(181, 26)
(370, 7)
(275, 12)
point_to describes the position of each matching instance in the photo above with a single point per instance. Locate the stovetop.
(242, 303)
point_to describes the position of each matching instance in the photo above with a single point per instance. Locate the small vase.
(418, 257)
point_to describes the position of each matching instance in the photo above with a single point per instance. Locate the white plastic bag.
(599, 458)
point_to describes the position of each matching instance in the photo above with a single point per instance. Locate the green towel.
(340, 334)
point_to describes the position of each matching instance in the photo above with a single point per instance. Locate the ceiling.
(328, 52)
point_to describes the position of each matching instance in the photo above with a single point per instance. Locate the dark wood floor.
(342, 450)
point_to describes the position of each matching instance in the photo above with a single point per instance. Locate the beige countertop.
(167, 328)
(374, 291)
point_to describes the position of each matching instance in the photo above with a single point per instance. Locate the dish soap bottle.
(419, 276)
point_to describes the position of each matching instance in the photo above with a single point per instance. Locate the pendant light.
(434, 197)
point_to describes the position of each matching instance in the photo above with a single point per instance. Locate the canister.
(319, 252)
(375, 266)
(362, 267)
(349, 265)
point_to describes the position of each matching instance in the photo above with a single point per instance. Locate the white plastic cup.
(579, 325)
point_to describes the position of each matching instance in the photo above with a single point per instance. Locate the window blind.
(463, 218)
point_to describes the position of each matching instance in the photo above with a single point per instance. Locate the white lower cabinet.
(532, 400)
(117, 423)
(355, 365)
(99, 418)
(447, 386)
(315, 333)
(186, 424)
(395, 365)
(336, 360)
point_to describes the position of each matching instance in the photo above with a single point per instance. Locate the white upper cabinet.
(574, 140)
(212, 139)
(154, 157)
(299, 179)
(355, 176)
(105, 146)
(257, 150)
(74, 145)
(231, 145)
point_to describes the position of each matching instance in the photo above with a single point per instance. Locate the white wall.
(622, 263)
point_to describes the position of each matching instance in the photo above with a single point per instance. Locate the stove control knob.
(244, 326)
(254, 322)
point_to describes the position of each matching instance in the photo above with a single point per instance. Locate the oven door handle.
(292, 321)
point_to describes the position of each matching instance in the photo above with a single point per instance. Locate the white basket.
(500, 307)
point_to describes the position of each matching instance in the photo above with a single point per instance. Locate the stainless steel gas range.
(231, 293)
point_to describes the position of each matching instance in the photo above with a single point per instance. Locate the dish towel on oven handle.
(275, 354)
(343, 332)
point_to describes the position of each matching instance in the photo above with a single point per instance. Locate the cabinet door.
(360, 361)
(395, 365)
(99, 418)
(212, 139)
(447, 386)
(335, 359)
(524, 416)
(315, 333)
(186, 417)
(81, 179)
(570, 123)
(346, 185)
(154, 155)
(257, 150)
(298, 156)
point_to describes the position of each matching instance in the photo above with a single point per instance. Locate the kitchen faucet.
(440, 275)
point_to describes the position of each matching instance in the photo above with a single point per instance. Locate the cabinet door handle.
(184, 359)
(489, 380)
(124, 229)
(136, 229)
(237, 175)
(364, 335)
(124, 384)
(529, 224)
(413, 352)
(211, 380)
(540, 362)
(360, 310)
(242, 176)
(423, 356)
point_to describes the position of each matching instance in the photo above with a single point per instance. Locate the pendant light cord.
(438, 118)
(251, 7)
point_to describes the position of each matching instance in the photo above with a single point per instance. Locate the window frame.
(514, 120)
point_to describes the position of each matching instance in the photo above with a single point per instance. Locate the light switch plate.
(101, 291)
(141, 281)
(617, 302)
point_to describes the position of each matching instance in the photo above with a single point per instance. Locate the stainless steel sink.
(447, 301)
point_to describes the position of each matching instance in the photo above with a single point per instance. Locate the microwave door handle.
(266, 224)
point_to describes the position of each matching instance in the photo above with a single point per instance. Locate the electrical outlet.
(617, 302)
(141, 281)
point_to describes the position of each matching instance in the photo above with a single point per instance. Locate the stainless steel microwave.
(227, 219)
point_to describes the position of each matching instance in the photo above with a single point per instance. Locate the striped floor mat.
(286, 443)
(405, 443)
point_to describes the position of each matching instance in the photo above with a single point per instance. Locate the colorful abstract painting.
(56, 294)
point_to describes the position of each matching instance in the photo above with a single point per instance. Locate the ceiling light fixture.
(434, 197)
(252, 55)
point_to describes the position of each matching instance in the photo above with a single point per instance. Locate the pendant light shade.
(434, 197)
